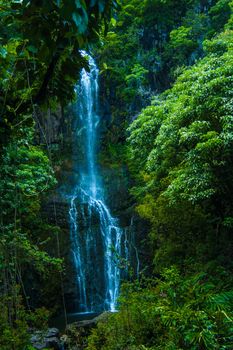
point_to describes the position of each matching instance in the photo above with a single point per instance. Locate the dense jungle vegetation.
(40, 63)
(166, 70)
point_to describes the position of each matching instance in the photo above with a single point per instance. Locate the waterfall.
(96, 237)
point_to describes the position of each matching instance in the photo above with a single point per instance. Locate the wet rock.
(46, 339)
(88, 324)
(76, 334)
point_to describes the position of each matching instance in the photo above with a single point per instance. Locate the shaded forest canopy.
(167, 82)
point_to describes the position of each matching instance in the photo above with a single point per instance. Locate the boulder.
(76, 334)
(46, 339)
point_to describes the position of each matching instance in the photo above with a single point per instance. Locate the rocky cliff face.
(55, 207)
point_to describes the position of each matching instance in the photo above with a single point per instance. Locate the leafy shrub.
(169, 313)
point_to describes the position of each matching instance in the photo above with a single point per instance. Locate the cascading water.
(95, 235)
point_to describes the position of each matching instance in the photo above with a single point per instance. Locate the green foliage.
(25, 174)
(183, 146)
(155, 37)
(169, 313)
(147, 46)
(41, 65)
(14, 332)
